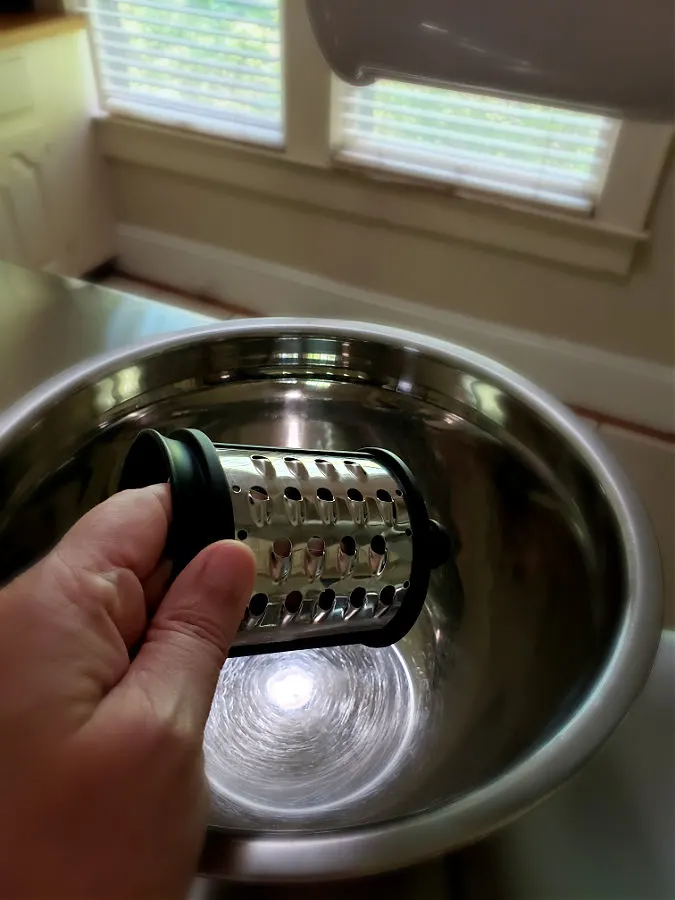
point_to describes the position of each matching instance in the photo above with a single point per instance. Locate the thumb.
(188, 639)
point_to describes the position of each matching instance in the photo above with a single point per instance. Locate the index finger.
(127, 531)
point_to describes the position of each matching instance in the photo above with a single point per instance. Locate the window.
(211, 66)
(536, 153)
(553, 183)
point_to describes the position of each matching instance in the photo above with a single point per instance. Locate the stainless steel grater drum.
(343, 543)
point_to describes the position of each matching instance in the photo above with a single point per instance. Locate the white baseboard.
(621, 386)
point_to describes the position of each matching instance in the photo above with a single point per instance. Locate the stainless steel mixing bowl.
(347, 761)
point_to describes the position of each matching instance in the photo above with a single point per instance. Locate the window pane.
(487, 143)
(213, 65)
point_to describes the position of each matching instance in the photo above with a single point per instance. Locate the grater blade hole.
(258, 494)
(384, 496)
(316, 546)
(387, 595)
(357, 597)
(355, 495)
(399, 493)
(326, 599)
(257, 458)
(258, 604)
(325, 494)
(378, 545)
(282, 548)
(293, 602)
(348, 545)
(326, 467)
(236, 489)
(242, 535)
(292, 493)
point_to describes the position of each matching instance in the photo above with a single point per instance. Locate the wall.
(54, 212)
(632, 316)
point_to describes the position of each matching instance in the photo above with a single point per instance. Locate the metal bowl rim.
(394, 844)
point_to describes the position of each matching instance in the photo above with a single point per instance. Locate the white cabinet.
(54, 209)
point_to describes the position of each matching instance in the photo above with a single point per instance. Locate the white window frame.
(304, 171)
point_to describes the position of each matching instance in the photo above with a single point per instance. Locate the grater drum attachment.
(343, 543)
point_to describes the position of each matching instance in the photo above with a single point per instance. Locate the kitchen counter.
(48, 323)
(607, 835)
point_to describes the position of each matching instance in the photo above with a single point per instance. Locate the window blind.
(212, 65)
(522, 150)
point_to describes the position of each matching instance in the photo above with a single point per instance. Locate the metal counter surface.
(48, 323)
(608, 834)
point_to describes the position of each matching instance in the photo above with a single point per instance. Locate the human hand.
(102, 789)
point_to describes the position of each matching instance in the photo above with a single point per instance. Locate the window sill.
(439, 211)
(17, 30)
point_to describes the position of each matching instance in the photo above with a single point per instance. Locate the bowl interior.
(509, 642)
